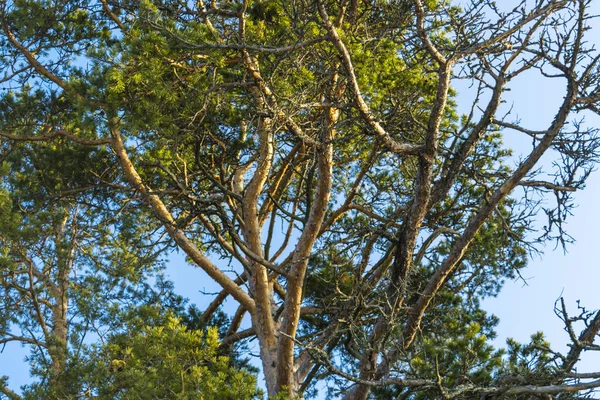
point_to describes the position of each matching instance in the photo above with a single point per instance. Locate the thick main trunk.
(261, 289)
(286, 381)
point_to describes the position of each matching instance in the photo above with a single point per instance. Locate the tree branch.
(170, 225)
(54, 134)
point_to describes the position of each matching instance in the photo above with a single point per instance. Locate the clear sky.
(523, 309)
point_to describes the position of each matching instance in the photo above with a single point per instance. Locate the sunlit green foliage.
(169, 361)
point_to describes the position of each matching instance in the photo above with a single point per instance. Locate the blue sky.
(526, 308)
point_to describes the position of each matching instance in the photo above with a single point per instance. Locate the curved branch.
(31, 58)
(391, 144)
(160, 210)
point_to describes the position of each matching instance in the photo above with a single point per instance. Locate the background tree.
(308, 156)
(168, 361)
(77, 272)
(71, 260)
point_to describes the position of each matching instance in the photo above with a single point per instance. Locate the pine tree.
(310, 158)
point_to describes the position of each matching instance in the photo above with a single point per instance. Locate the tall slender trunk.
(58, 342)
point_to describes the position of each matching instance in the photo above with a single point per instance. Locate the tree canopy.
(310, 156)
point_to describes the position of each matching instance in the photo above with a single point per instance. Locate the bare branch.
(548, 185)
